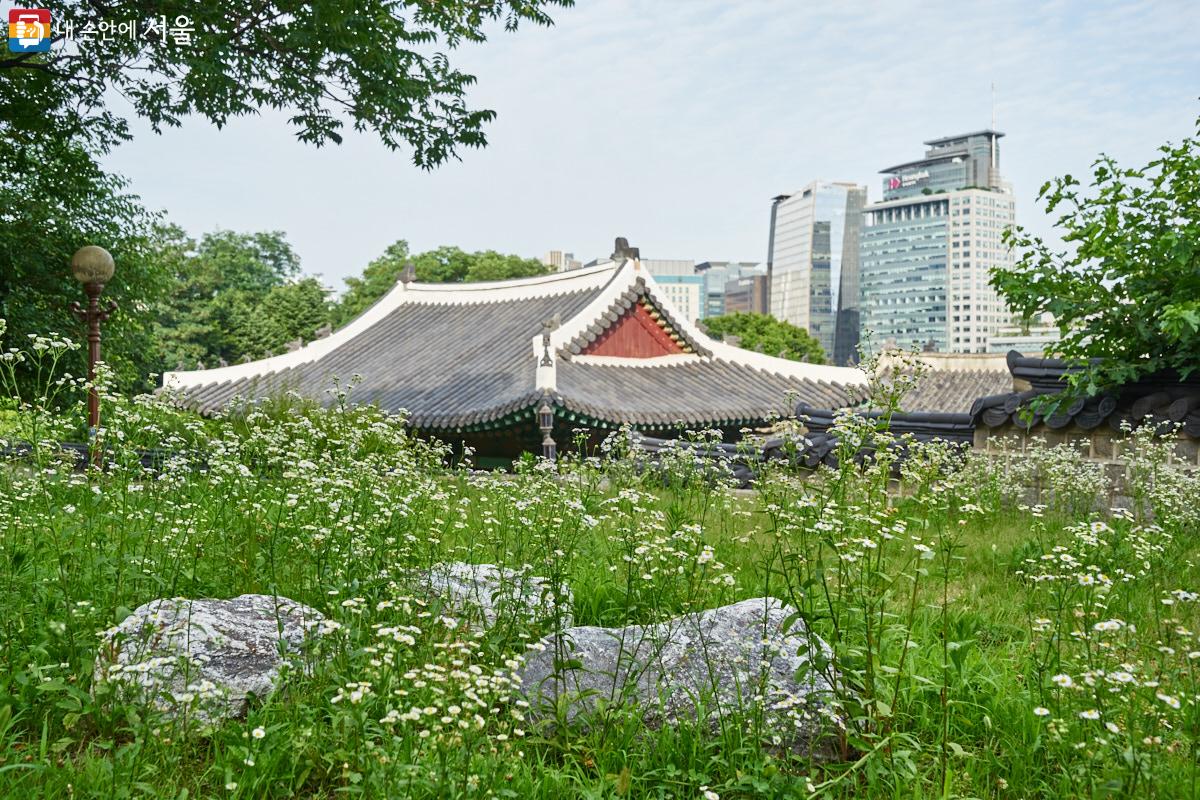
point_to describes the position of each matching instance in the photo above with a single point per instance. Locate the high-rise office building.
(813, 263)
(928, 248)
(717, 274)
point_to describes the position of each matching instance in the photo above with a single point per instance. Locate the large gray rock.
(489, 592)
(203, 658)
(709, 665)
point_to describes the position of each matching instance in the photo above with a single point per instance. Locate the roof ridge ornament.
(622, 251)
(546, 373)
(548, 325)
(408, 274)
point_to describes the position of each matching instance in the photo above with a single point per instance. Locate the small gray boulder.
(712, 664)
(202, 659)
(491, 592)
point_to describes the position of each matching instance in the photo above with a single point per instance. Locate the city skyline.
(674, 129)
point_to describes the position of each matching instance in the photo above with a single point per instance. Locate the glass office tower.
(903, 273)
(814, 263)
(928, 248)
(718, 274)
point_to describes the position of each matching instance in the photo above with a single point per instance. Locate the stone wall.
(1101, 445)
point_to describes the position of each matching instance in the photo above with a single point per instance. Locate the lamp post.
(93, 267)
(546, 425)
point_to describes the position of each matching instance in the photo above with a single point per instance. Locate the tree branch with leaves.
(1125, 291)
(370, 65)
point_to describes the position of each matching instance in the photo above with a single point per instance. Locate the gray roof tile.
(458, 365)
(953, 390)
(704, 391)
(448, 365)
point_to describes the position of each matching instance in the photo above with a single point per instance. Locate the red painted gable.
(635, 334)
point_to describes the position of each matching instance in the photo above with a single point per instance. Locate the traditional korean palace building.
(591, 348)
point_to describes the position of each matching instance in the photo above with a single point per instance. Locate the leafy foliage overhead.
(375, 65)
(1126, 292)
(442, 265)
(764, 333)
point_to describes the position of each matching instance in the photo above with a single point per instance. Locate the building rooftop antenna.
(991, 178)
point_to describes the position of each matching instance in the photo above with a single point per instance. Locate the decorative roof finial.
(547, 326)
(408, 274)
(622, 251)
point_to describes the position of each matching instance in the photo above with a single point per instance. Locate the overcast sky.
(674, 123)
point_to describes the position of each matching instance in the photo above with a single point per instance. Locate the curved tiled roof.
(623, 303)
(697, 391)
(447, 365)
(953, 391)
(938, 392)
(481, 356)
(939, 406)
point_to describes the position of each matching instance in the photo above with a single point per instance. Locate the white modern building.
(561, 261)
(678, 281)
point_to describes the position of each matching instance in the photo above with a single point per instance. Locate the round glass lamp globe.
(92, 264)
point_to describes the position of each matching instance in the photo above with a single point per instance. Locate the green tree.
(297, 309)
(372, 65)
(1126, 292)
(236, 296)
(55, 200)
(489, 265)
(764, 333)
(442, 265)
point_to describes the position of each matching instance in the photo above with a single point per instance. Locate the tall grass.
(984, 642)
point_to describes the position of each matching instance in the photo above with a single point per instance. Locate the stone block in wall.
(1121, 501)
(1187, 451)
(1104, 445)
(1050, 438)
(980, 441)
(1079, 440)
(1117, 475)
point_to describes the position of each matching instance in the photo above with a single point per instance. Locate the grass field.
(983, 648)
